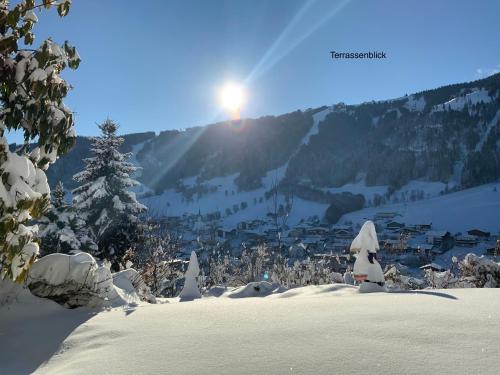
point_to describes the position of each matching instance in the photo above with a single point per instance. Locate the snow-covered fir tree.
(31, 101)
(103, 198)
(61, 229)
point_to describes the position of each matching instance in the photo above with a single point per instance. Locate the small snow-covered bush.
(479, 271)
(440, 280)
(396, 280)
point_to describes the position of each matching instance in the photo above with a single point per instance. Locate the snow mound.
(257, 289)
(130, 288)
(77, 281)
(216, 291)
(70, 280)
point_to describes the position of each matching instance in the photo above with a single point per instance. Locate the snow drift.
(330, 329)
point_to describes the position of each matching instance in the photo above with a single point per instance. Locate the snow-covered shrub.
(479, 271)
(62, 230)
(252, 262)
(219, 269)
(155, 260)
(440, 280)
(308, 272)
(396, 280)
(103, 197)
(31, 100)
(70, 280)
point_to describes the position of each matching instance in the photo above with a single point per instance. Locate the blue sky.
(158, 64)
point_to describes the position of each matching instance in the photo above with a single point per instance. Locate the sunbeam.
(262, 62)
(268, 60)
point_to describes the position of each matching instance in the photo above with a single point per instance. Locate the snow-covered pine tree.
(103, 197)
(31, 100)
(62, 230)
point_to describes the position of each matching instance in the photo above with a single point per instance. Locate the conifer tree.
(103, 197)
(31, 101)
(62, 230)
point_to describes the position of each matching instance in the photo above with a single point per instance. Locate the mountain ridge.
(448, 135)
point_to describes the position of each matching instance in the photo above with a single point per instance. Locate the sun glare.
(232, 98)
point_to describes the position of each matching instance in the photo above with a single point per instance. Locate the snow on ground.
(329, 329)
(317, 118)
(458, 103)
(429, 188)
(478, 207)
(414, 104)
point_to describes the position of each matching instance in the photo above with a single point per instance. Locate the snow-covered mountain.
(400, 150)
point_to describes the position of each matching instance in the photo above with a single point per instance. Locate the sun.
(232, 97)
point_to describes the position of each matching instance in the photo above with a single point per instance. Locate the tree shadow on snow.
(427, 293)
(29, 343)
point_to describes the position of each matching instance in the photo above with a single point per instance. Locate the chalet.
(385, 216)
(298, 231)
(391, 245)
(253, 236)
(424, 249)
(343, 233)
(341, 246)
(336, 227)
(410, 231)
(422, 227)
(442, 240)
(466, 241)
(479, 233)
(392, 225)
(434, 267)
(242, 225)
(316, 231)
(436, 237)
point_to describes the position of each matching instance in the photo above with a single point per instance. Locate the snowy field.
(312, 330)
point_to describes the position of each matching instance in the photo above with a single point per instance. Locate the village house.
(379, 216)
(479, 233)
(466, 241)
(394, 225)
(434, 267)
(436, 237)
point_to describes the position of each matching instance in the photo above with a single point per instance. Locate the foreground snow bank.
(77, 280)
(331, 329)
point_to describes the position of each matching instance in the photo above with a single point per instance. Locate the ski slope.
(329, 329)
(478, 207)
